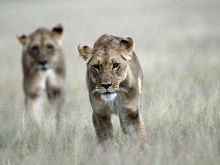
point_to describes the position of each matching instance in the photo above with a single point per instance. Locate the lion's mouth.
(107, 93)
(104, 92)
(44, 68)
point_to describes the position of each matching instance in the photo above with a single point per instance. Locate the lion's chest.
(44, 76)
(110, 102)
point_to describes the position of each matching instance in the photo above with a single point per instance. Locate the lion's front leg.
(34, 108)
(56, 100)
(103, 128)
(133, 125)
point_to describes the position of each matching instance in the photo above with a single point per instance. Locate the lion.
(114, 81)
(43, 66)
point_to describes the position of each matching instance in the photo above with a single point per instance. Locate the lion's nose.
(106, 85)
(42, 62)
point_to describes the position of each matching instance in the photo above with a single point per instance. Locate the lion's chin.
(108, 96)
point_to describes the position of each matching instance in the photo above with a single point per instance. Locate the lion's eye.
(96, 66)
(50, 48)
(115, 65)
(35, 50)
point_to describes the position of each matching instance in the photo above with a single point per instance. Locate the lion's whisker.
(95, 90)
(123, 90)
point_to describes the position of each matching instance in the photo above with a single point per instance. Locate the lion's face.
(41, 47)
(108, 63)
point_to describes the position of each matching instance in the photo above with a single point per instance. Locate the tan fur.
(43, 71)
(113, 67)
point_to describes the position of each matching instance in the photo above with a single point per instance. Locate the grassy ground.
(178, 45)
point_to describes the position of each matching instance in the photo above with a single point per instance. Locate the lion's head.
(107, 62)
(41, 48)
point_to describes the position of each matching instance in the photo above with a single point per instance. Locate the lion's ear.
(85, 52)
(23, 39)
(126, 47)
(57, 33)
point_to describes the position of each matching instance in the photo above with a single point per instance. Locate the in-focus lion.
(114, 81)
(43, 72)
